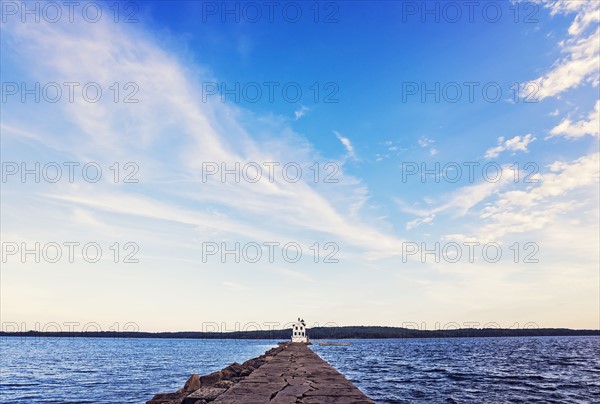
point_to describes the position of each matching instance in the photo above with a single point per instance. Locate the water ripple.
(491, 370)
(459, 370)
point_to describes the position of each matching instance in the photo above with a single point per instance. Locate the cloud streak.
(575, 130)
(170, 132)
(579, 66)
(514, 144)
(346, 143)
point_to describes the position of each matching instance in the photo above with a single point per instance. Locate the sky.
(222, 166)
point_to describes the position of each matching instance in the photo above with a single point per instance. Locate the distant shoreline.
(322, 333)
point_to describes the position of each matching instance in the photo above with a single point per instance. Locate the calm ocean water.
(104, 370)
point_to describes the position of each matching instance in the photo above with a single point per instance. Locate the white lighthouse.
(299, 332)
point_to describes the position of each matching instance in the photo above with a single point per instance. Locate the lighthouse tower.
(299, 332)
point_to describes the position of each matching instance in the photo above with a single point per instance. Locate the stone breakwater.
(289, 373)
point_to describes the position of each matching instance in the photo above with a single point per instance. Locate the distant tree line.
(356, 332)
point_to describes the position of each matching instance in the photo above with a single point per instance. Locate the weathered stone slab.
(168, 398)
(296, 390)
(283, 400)
(330, 392)
(336, 400)
(204, 393)
(294, 375)
(211, 379)
(291, 373)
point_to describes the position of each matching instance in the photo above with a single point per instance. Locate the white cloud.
(580, 63)
(419, 221)
(169, 133)
(301, 112)
(565, 192)
(457, 203)
(573, 130)
(565, 187)
(586, 12)
(515, 144)
(347, 144)
(425, 142)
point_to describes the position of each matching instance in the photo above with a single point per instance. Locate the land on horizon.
(316, 333)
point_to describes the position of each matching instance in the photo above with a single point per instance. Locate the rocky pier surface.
(289, 373)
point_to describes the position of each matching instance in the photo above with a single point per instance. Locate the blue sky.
(366, 127)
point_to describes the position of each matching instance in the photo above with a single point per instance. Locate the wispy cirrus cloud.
(427, 143)
(346, 143)
(517, 143)
(299, 113)
(579, 66)
(563, 189)
(498, 209)
(171, 132)
(455, 204)
(586, 12)
(573, 130)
